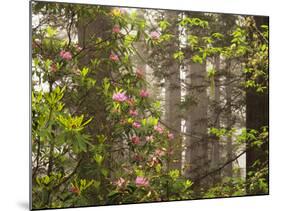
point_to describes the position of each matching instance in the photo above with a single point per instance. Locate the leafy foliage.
(97, 134)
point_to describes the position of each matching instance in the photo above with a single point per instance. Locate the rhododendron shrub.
(62, 126)
(98, 134)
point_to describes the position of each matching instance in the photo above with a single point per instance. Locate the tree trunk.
(197, 117)
(229, 123)
(88, 28)
(215, 118)
(173, 95)
(256, 117)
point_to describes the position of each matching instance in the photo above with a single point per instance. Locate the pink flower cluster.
(135, 140)
(133, 112)
(114, 57)
(116, 29)
(136, 125)
(66, 55)
(119, 97)
(144, 93)
(141, 181)
(171, 136)
(154, 35)
(159, 129)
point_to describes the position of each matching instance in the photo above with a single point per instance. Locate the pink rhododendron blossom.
(158, 128)
(113, 57)
(136, 125)
(141, 181)
(116, 29)
(119, 96)
(154, 35)
(135, 140)
(120, 182)
(66, 55)
(133, 112)
(140, 73)
(171, 136)
(144, 93)
(149, 138)
(159, 152)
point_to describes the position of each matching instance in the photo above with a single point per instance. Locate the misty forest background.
(143, 105)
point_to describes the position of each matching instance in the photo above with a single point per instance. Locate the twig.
(220, 168)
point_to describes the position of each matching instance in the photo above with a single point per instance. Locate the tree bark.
(215, 118)
(256, 117)
(197, 117)
(229, 123)
(99, 26)
(173, 94)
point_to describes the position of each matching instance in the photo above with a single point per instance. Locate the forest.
(133, 105)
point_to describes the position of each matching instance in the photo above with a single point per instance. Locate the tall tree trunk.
(229, 123)
(197, 116)
(256, 117)
(215, 118)
(173, 94)
(88, 28)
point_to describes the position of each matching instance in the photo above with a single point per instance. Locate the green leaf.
(98, 158)
(87, 122)
(96, 184)
(178, 55)
(192, 40)
(46, 180)
(104, 172)
(51, 31)
(139, 172)
(197, 59)
(101, 138)
(217, 35)
(164, 24)
(211, 72)
(158, 168)
(113, 194)
(84, 71)
(188, 184)
(174, 174)
(128, 40)
(143, 122)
